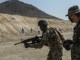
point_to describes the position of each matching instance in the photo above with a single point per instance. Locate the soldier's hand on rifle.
(36, 37)
(26, 45)
(67, 44)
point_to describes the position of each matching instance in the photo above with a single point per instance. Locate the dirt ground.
(9, 51)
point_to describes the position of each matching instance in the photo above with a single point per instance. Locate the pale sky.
(56, 8)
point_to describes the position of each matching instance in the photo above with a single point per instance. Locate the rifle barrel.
(17, 43)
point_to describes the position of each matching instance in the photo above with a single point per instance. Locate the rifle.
(33, 40)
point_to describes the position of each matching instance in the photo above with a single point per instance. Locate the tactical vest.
(58, 34)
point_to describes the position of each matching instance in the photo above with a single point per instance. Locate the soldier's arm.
(37, 45)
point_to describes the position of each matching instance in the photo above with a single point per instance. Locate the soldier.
(22, 30)
(74, 17)
(52, 38)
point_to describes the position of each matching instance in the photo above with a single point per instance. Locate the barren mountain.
(17, 7)
(16, 15)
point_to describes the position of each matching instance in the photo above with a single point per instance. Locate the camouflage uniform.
(73, 12)
(53, 39)
(75, 51)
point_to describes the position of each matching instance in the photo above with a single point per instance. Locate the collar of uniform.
(47, 31)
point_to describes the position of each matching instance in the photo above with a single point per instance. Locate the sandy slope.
(10, 33)
(8, 51)
(10, 26)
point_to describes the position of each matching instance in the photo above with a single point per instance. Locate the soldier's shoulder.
(52, 30)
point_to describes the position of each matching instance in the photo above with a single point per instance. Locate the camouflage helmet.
(42, 23)
(73, 10)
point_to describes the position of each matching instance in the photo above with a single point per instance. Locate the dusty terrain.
(17, 15)
(10, 33)
(9, 51)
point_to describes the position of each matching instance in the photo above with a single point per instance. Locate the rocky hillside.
(17, 15)
(21, 8)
